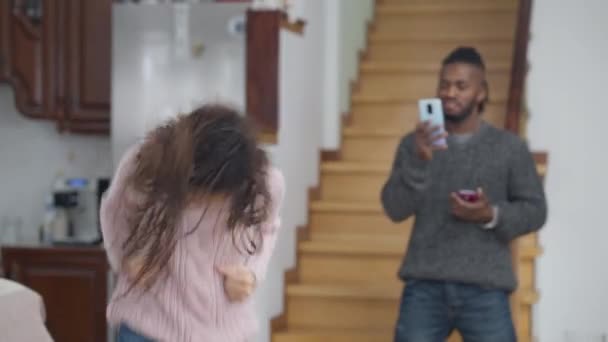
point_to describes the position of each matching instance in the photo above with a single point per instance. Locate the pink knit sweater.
(189, 305)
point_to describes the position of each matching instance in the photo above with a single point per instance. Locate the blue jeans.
(431, 310)
(125, 334)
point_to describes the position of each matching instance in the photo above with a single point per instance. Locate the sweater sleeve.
(525, 210)
(113, 210)
(401, 194)
(270, 229)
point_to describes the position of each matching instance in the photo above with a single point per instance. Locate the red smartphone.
(470, 196)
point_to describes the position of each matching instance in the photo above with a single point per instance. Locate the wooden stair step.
(445, 2)
(357, 308)
(346, 167)
(374, 292)
(295, 335)
(325, 222)
(452, 9)
(354, 237)
(353, 167)
(341, 260)
(529, 252)
(421, 83)
(380, 245)
(379, 145)
(355, 245)
(401, 68)
(346, 207)
(420, 47)
(529, 297)
(370, 146)
(388, 116)
(352, 181)
(355, 314)
(403, 99)
(360, 181)
(440, 20)
(396, 132)
(453, 37)
(365, 292)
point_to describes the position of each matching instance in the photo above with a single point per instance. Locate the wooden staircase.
(345, 285)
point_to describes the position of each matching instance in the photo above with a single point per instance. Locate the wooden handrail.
(519, 67)
(262, 67)
(262, 70)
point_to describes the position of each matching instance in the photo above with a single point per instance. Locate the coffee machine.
(76, 202)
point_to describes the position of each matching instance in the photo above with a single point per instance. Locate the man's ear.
(484, 94)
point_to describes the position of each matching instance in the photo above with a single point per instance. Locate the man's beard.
(462, 116)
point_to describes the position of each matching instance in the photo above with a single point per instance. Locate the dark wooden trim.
(268, 138)
(519, 67)
(262, 68)
(330, 155)
(363, 55)
(296, 26)
(541, 158)
(347, 119)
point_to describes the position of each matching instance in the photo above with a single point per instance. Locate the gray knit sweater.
(444, 248)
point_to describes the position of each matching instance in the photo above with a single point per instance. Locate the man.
(458, 264)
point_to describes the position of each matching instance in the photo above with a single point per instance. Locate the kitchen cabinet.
(57, 56)
(25, 56)
(73, 283)
(86, 52)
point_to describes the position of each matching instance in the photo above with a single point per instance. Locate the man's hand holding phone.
(471, 206)
(429, 138)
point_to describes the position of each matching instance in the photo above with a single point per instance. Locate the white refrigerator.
(168, 58)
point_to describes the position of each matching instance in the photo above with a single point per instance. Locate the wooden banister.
(262, 70)
(519, 67)
(262, 67)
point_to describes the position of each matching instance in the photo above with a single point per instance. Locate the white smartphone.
(431, 110)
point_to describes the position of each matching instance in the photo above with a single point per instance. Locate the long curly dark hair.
(211, 151)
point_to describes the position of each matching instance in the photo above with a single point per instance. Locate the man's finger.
(435, 142)
(481, 194)
(456, 199)
(464, 204)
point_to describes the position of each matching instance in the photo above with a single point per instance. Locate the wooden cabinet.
(57, 56)
(73, 284)
(86, 55)
(24, 56)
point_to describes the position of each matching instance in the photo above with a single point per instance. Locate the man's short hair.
(466, 55)
(469, 55)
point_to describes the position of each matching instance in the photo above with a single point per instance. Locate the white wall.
(297, 152)
(566, 95)
(346, 35)
(32, 154)
(354, 17)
